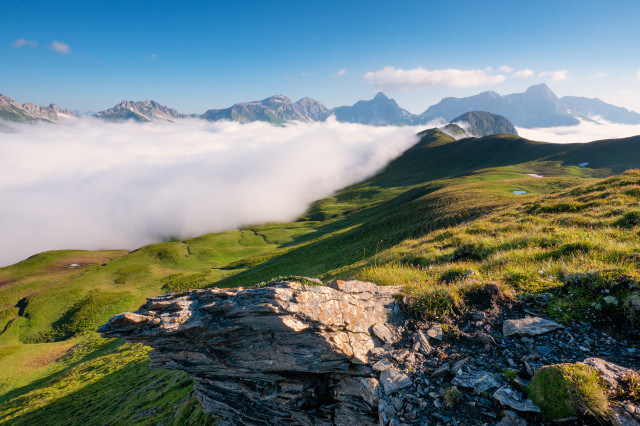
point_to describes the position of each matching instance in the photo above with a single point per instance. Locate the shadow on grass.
(109, 347)
(133, 394)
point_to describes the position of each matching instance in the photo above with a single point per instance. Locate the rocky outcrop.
(298, 352)
(286, 353)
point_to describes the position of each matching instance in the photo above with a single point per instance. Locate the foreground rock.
(281, 354)
(292, 353)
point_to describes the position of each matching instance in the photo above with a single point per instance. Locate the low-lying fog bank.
(586, 131)
(90, 184)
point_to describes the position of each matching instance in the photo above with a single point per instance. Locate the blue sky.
(197, 55)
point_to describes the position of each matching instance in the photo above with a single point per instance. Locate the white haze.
(96, 185)
(586, 131)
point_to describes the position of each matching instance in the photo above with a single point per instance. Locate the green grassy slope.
(379, 229)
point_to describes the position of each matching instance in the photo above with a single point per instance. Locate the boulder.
(279, 354)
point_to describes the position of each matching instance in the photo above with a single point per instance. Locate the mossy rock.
(567, 390)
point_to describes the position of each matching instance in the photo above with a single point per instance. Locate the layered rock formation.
(286, 353)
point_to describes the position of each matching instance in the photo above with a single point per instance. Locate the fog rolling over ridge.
(96, 185)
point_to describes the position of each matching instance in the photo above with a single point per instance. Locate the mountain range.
(140, 111)
(538, 106)
(29, 113)
(276, 109)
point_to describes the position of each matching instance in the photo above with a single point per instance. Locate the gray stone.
(485, 338)
(435, 332)
(530, 326)
(612, 373)
(257, 355)
(383, 333)
(511, 419)
(480, 381)
(423, 343)
(479, 316)
(510, 398)
(394, 380)
(456, 368)
(382, 365)
(441, 371)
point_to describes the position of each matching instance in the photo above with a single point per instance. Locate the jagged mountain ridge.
(141, 111)
(538, 106)
(379, 111)
(275, 109)
(482, 123)
(593, 108)
(12, 110)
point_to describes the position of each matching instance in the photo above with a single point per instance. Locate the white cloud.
(89, 184)
(343, 71)
(21, 42)
(153, 56)
(559, 75)
(586, 131)
(306, 74)
(391, 78)
(506, 69)
(524, 73)
(638, 75)
(60, 47)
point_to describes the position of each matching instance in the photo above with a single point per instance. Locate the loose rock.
(530, 326)
(394, 380)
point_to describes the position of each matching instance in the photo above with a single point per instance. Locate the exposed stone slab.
(394, 380)
(530, 326)
(510, 398)
(480, 381)
(279, 354)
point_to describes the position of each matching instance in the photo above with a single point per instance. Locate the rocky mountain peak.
(380, 97)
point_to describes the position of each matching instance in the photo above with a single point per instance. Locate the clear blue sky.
(197, 55)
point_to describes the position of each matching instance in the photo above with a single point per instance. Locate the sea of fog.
(90, 184)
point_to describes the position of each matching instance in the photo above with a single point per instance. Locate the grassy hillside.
(441, 219)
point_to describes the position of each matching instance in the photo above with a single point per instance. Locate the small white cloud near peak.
(60, 47)
(524, 73)
(391, 78)
(506, 69)
(306, 74)
(343, 71)
(559, 75)
(22, 42)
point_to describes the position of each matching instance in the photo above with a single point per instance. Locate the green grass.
(572, 245)
(441, 220)
(567, 390)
